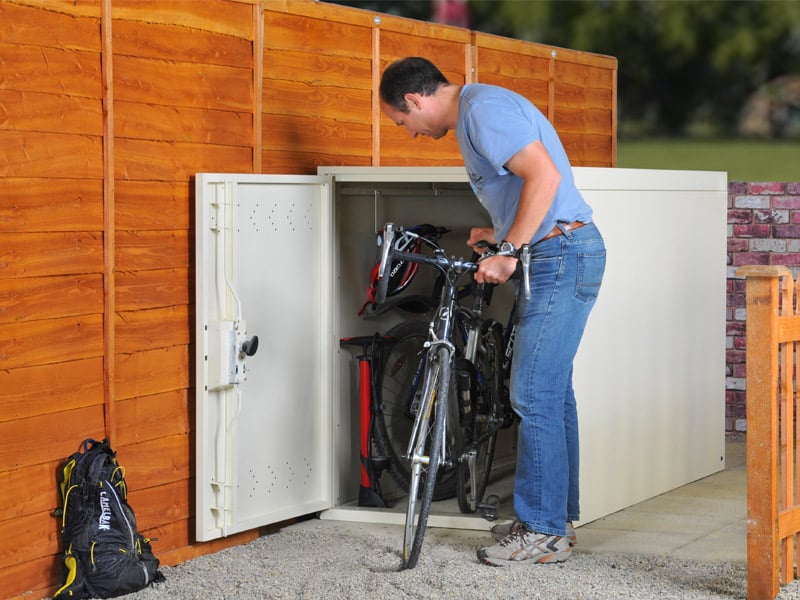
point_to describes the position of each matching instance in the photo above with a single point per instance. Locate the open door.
(263, 351)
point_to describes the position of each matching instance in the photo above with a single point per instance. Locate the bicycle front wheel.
(399, 382)
(427, 453)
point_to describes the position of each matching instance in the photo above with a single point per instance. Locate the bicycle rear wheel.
(479, 431)
(427, 454)
(398, 384)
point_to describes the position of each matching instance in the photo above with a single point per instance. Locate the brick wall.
(763, 229)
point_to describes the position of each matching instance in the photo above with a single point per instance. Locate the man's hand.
(496, 269)
(480, 234)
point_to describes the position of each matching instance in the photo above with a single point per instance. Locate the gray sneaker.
(523, 546)
(502, 530)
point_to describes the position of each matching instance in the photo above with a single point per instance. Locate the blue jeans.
(566, 272)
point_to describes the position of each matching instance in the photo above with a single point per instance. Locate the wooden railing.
(773, 455)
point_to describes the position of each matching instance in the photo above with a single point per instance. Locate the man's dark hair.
(413, 75)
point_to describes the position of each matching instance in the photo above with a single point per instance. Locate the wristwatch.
(506, 248)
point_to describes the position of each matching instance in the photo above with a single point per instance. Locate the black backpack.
(104, 555)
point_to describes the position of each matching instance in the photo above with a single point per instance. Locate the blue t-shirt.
(493, 125)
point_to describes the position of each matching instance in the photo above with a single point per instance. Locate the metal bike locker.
(287, 259)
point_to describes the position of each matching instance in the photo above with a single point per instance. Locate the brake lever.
(388, 240)
(525, 263)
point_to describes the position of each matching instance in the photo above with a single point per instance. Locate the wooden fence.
(773, 454)
(107, 110)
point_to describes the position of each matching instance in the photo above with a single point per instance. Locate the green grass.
(744, 160)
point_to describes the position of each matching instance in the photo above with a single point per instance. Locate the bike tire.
(399, 377)
(487, 418)
(437, 384)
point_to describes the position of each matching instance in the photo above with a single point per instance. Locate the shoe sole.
(555, 557)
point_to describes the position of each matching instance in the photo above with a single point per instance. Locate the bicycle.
(456, 400)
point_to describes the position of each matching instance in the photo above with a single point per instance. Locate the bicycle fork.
(416, 451)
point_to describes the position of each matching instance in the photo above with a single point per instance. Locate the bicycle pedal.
(490, 508)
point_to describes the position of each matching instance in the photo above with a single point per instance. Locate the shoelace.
(518, 531)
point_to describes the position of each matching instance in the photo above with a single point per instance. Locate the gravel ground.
(319, 559)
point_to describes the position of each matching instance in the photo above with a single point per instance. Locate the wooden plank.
(306, 163)
(138, 290)
(582, 75)
(161, 505)
(42, 154)
(448, 55)
(32, 579)
(85, 8)
(789, 328)
(38, 204)
(58, 113)
(562, 55)
(50, 341)
(42, 254)
(136, 331)
(59, 434)
(48, 28)
(571, 96)
(585, 121)
(29, 490)
(220, 16)
(147, 418)
(109, 219)
(489, 44)
(184, 124)
(56, 387)
(35, 298)
(156, 462)
(585, 150)
(138, 250)
(352, 72)
(301, 99)
(152, 372)
(396, 143)
(316, 135)
(40, 532)
(173, 83)
(179, 42)
(258, 85)
(762, 425)
(513, 66)
(176, 161)
(534, 90)
(173, 547)
(142, 205)
(322, 37)
(426, 31)
(51, 70)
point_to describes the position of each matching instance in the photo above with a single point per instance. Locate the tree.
(684, 65)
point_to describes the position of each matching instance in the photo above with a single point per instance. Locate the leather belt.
(568, 226)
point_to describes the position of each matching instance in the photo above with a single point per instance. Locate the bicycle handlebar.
(389, 253)
(438, 260)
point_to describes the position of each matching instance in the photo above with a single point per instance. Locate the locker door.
(263, 352)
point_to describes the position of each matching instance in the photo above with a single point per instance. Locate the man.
(521, 174)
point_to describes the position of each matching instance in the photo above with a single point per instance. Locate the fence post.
(763, 559)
